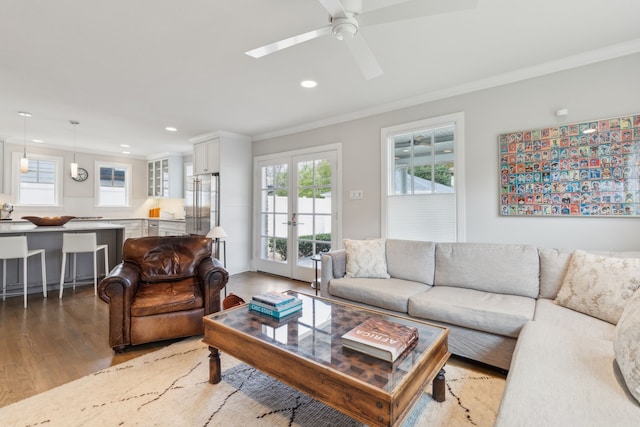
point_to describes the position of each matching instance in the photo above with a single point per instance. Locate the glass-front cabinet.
(164, 177)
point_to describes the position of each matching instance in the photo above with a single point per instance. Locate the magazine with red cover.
(380, 338)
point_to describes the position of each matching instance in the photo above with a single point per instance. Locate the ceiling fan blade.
(291, 41)
(366, 61)
(414, 9)
(334, 7)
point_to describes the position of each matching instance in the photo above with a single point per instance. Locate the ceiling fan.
(346, 18)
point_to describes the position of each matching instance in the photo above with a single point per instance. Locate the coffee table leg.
(215, 375)
(439, 387)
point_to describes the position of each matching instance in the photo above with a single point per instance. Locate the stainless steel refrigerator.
(202, 203)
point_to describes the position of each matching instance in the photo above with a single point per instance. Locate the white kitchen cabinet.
(132, 227)
(164, 177)
(206, 157)
(235, 166)
(171, 228)
(158, 227)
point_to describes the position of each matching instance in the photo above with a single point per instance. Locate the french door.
(297, 211)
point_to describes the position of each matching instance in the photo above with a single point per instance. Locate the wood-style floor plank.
(55, 341)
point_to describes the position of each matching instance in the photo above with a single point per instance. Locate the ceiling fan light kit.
(342, 27)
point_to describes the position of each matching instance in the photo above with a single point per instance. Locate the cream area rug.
(170, 387)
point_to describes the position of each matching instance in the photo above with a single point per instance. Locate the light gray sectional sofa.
(498, 302)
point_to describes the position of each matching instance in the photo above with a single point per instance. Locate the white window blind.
(422, 217)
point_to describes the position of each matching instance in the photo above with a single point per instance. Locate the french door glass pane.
(314, 208)
(274, 213)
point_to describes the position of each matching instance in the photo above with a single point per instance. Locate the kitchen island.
(50, 239)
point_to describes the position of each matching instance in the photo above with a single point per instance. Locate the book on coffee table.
(380, 338)
(277, 312)
(274, 299)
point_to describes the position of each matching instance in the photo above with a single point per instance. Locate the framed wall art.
(580, 169)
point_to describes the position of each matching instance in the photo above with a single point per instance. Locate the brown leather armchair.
(162, 289)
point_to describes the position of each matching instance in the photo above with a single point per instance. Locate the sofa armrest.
(212, 278)
(334, 265)
(117, 290)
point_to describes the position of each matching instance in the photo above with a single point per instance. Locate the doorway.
(297, 207)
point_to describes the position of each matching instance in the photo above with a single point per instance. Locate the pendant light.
(74, 165)
(24, 162)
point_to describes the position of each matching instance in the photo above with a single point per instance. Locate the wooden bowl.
(46, 221)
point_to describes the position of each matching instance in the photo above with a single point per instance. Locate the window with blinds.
(421, 200)
(113, 185)
(41, 185)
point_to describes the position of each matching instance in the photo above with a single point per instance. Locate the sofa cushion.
(553, 267)
(578, 323)
(559, 378)
(391, 294)
(554, 264)
(484, 311)
(167, 297)
(626, 345)
(599, 286)
(411, 260)
(366, 258)
(499, 268)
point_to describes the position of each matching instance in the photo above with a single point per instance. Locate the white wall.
(78, 197)
(599, 90)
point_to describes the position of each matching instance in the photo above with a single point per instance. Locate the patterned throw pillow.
(366, 258)
(626, 345)
(599, 286)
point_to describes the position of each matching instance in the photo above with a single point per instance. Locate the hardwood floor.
(55, 341)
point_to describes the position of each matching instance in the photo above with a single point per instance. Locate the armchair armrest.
(212, 278)
(117, 290)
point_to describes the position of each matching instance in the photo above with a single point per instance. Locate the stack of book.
(275, 304)
(381, 338)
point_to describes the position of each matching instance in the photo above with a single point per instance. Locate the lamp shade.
(24, 164)
(216, 233)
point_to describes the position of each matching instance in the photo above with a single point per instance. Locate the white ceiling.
(127, 69)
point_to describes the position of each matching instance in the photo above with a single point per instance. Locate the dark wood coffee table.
(305, 351)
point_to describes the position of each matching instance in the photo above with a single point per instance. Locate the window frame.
(387, 190)
(16, 179)
(127, 183)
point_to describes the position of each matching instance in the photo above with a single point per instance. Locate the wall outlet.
(356, 195)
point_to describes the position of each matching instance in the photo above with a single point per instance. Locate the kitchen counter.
(50, 239)
(99, 219)
(24, 226)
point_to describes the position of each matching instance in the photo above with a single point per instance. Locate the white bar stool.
(82, 242)
(14, 247)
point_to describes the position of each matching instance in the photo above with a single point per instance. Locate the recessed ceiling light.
(308, 84)
(125, 145)
(39, 141)
(171, 129)
(126, 152)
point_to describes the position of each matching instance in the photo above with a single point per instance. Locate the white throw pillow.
(626, 345)
(366, 258)
(599, 286)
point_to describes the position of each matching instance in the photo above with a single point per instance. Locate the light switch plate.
(356, 195)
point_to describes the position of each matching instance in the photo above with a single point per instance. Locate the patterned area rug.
(170, 387)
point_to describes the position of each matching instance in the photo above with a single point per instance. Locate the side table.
(316, 259)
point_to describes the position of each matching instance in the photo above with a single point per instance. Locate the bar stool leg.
(4, 279)
(44, 274)
(106, 261)
(75, 270)
(24, 263)
(64, 264)
(95, 273)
